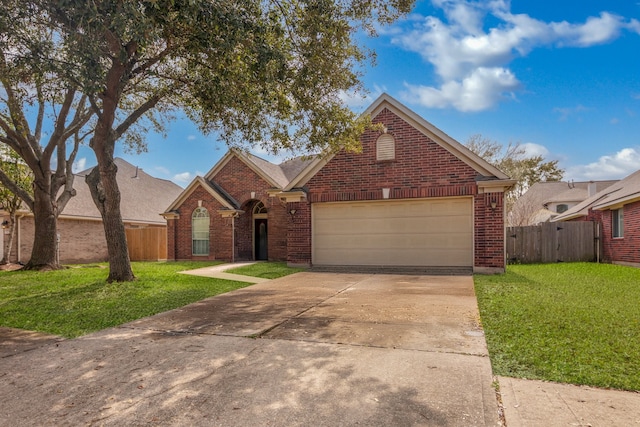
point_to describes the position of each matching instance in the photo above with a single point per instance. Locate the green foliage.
(266, 270)
(575, 323)
(77, 301)
(514, 161)
(259, 73)
(18, 172)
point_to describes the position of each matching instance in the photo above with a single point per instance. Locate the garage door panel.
(398, 257)
(453, 224)
(422, 232)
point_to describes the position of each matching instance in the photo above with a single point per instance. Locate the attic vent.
(386, 147)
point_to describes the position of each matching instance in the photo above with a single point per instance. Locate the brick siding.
(81, 241)
(237, 179)
(624, 249)
(421, 169)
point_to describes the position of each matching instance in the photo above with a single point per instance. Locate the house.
(617, 211)
(413, 197)
(546, 200)
(80, 228)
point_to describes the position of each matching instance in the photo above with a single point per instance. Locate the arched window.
(259, 209)
(200, 231)
(386, 147)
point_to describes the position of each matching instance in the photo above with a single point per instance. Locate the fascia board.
(227, 157)
(198, 181)
(617, 203)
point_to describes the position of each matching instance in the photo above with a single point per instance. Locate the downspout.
(233, 238)
(598, 242)
(18, 237)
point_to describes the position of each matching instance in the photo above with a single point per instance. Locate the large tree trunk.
(106, 195)
(45, 245)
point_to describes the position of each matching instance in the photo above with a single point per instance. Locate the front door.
(260, 239)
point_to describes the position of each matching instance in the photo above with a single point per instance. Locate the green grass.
(575, 323)
(77, 301)
(266, 270)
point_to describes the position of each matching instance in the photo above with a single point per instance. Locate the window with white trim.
(617, 219)
(200, 231)
(386, 147)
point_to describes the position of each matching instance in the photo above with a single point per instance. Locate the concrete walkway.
(218, 272)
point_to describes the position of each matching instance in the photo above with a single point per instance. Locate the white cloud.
(79, 165)
(616, 166)
(162, 170)
(533, 149)
(479, 91)
(183, 177)
(359, 101)
(460, 49)
(191, 138)
(566, 112)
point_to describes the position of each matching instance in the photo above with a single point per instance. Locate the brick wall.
(421, 169)
(81, 241)
(625, 249)
(219, 229)
(237, 179)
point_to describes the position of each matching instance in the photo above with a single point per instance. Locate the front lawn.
(77, 301)
(266, 270)
(575, 323)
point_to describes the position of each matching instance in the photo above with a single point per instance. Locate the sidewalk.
(218, 272)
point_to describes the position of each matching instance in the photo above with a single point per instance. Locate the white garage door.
(417, 232)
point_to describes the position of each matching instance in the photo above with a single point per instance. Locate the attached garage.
(409, 232)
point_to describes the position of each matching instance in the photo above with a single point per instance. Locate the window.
(561, 208)
(617, 218)
(386, 147)
(200, 231)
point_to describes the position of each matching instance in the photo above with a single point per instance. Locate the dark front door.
(260, 239)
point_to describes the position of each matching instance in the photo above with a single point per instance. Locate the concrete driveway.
(311, 349)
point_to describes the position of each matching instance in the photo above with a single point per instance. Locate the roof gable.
(216, 192)
(622, 192)
(461, 152)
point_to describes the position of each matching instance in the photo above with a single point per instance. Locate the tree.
(39, 114)
(20, 174)
(255, 72)
(514, 161)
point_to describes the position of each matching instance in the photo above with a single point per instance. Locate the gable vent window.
(562, 208)
(200, 231)
(386, 147)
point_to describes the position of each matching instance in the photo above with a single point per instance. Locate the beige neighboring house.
(82, 240)
(546, 200)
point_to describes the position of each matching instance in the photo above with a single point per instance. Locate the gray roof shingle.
(143, 197)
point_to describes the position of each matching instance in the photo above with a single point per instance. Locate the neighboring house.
(617, 210)
(80, 228)
(546, 200)
(413, 197)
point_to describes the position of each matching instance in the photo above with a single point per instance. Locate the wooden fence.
(553, 242)
(147, 244)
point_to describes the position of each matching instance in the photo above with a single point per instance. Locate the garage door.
(417, 232)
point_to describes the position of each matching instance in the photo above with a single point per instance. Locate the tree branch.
(135, 115)
(15, 189)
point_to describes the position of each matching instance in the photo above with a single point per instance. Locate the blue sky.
(561, 77)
